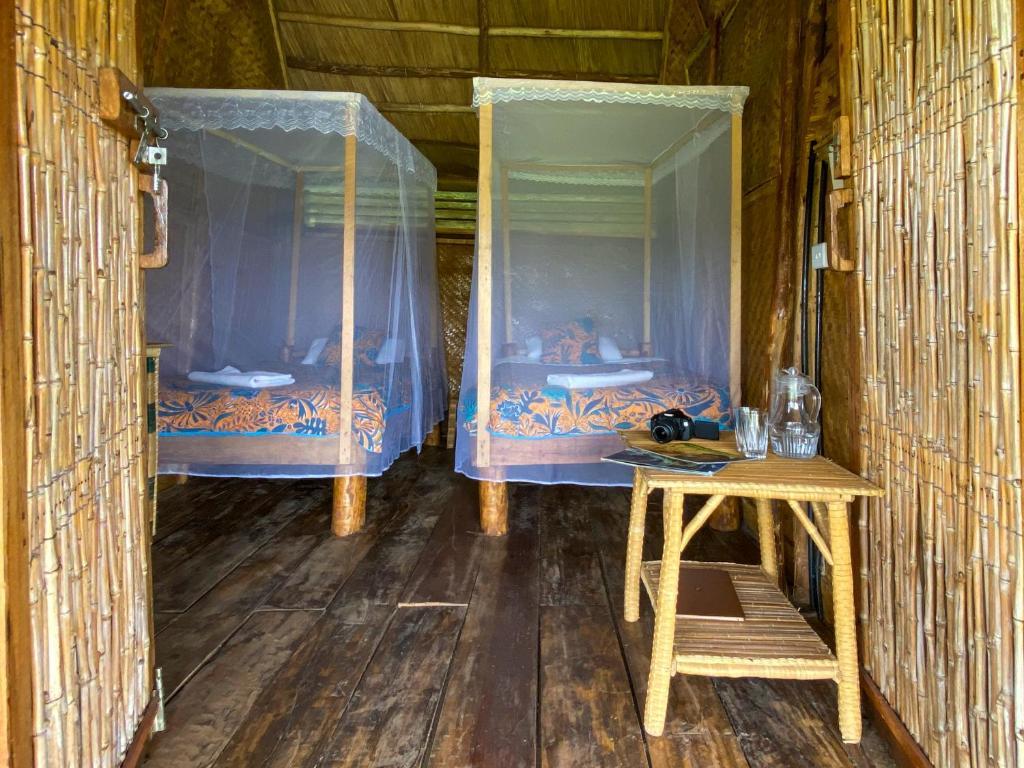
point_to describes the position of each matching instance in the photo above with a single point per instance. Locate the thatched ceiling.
(415, 58)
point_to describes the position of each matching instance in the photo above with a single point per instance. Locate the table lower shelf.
(772, 640)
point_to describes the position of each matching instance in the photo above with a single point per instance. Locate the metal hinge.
(160, 722)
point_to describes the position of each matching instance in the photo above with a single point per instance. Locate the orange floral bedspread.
(530, 411)
(306, 409)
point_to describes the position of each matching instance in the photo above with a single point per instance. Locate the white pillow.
(608, 349)
(314, 351)
(534, 347)
(391, 351)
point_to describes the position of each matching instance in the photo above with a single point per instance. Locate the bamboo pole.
(348, 308)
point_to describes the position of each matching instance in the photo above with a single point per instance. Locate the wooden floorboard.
(570, 569)
(389, 718)
(447, 570)
(198, 632)
(218, 698)
(482, 723)
(315, 581)
(587, 714)
(209, 556)
(293, 718)
(420, 642)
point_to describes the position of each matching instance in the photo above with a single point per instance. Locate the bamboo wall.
(934, 111)
(83, 354)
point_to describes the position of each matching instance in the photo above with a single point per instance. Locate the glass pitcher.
(793, 416)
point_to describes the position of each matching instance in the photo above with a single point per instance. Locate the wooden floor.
(420, 642)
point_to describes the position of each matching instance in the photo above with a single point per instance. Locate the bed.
(301, 246)
(607, 251)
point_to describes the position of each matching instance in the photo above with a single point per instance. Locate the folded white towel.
(591, 380)
(229, 376)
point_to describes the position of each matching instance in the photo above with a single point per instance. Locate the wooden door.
(78, 688)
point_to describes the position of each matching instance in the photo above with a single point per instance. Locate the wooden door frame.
(15, 639)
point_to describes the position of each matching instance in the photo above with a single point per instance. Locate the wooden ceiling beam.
(367, 70)
(590, 34)
(404, 107)
(483, 62)
(389, 25)
(275, 25)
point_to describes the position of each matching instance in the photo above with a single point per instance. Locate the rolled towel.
(229, 376)
(593, 380)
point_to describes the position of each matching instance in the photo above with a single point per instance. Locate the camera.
(674, 424)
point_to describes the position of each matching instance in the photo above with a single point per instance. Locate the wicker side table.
(773, 640)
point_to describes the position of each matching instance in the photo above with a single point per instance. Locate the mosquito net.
(605, 274)
(299, 302)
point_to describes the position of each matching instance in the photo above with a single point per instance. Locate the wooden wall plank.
(15, 633)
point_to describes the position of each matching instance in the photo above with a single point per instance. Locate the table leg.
(766, 537)
(635, 546)
(845, 622)
(660, 677)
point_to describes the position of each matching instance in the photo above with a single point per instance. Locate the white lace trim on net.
(345, 114)
(727, 98)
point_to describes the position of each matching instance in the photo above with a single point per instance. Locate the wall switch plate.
(819, 256)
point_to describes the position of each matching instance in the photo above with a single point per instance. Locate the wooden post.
(735, 259)
(16, 650)
(646, 347)
(493, 508)
(348, 309)
(727, 518)
(484, 288)
(293, 289)
(348, 511)
(506, 256)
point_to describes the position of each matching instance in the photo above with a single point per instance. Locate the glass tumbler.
(752, 432)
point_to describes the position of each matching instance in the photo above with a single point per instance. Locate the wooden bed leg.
(349, 508)
(434, 438)
(493, 508)
(727, 516)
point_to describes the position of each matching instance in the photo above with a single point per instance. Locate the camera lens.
(662, 433)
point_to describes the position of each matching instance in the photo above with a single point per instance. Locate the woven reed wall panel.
(87, 526)
(209, 44)
(934, 110)
(455, 277)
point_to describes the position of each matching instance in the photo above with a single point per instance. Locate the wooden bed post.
(484, 288)
(727, 518)
(348, 512)
(506, 259)
(293, 288)
(493, 495)
(348, 310)
(735, 259)
(493, 508)
(646, 348)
